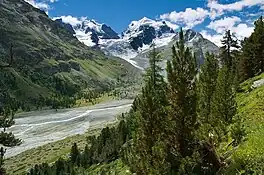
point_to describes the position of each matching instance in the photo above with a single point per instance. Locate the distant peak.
(145, 19)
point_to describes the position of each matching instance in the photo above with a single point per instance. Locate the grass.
(250, 155)
(18, 165)
(85, 102)
(113, 168)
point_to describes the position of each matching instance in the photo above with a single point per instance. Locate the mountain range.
(133, 43)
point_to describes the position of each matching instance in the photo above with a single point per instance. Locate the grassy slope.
(250, 155)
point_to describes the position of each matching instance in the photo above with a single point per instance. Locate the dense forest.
(185, 124)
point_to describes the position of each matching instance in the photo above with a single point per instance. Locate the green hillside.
(249, 157)
(49, 62)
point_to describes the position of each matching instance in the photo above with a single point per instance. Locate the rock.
(67, 26)
(258, 83)
(109, 33)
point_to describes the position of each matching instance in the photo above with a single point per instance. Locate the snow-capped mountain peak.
(133, 44)
(90, 32)
(137, 27)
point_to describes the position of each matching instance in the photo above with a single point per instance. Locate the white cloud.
(236, 6)
(40, 5)
(43, 5)
(213, 38)
(70, 20)
(172, 25)
(242, 30)
(220, 26)
(190, 17)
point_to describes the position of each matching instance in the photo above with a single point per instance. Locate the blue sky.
(119, 13)
(210, 17)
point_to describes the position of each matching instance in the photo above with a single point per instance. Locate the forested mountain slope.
(49, 64)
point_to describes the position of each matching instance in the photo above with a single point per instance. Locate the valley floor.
(42, 127)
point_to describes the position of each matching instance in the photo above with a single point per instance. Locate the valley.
(42, 127)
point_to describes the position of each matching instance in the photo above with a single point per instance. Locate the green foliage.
(182, 97)
(223, 105)
(74, 153)
(151, 115)
(206, 87)
(102, 149)
(229, 43)
(252, 59)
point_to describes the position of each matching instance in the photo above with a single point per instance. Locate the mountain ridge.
(141, 34)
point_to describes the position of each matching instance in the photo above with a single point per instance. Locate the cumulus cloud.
(70, 20)
(190, 17)
(236, 6)
(220, 26)
(213, 38)
(40, 5)
(43, 5)
(241, 30)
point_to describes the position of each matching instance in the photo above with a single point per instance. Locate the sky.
(209, 17)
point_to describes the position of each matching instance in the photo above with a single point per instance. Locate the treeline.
(102, 149)
(186, 125)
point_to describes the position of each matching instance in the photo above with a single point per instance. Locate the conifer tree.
(206, 86)
(181, 73)
(223, 105)
(151, 114)
(252, 59)
(229, 43)
(258, 37)
(74, 153)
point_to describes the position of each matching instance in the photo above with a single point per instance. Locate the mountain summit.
(136, 40)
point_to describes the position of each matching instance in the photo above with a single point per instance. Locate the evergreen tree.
(246, 63)
(258, 37)
(8, 106)
(252, 59)
(206, 86)
(229, 43)
(74, 153)
(2, 153)
(181, 72)
(151, 113)
(223, 105)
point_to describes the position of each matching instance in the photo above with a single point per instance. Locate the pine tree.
(206, 86)
(223, 105)
(74, 153)
(246, 63)
(151, 113)
(252, 58)
(258, 37)
(2, 153)
(181, 73)
(8, 106)
(229, 43)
